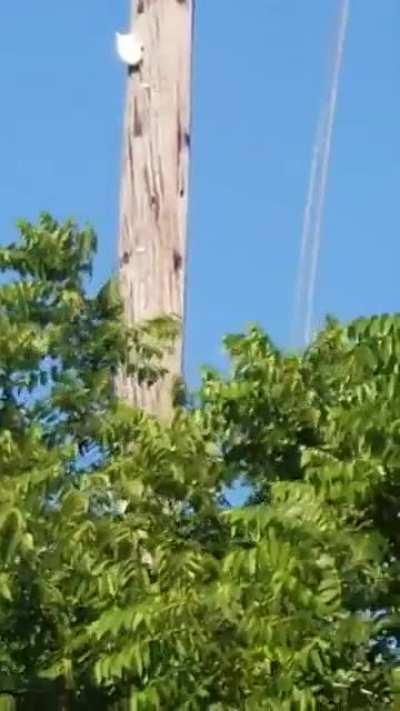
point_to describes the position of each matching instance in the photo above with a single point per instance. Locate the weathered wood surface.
(155, 175)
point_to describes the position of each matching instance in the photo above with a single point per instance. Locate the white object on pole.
(129, 49)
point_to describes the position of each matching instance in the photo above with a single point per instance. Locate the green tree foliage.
(126, 580)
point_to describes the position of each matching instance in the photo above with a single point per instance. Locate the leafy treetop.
(126, 581)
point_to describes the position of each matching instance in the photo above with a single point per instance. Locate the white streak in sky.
(315, 202)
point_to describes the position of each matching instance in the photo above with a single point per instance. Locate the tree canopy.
(126, 578)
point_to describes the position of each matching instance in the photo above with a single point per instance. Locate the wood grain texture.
(154, 183)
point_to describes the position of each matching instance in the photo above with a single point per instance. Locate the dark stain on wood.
(179, 146)
(130, 160)
(140, 7)
(155, 204)
(125, 257)
(146, 178)
(182, 192)
(133, 70)
(179, 136)
(177, 260)
(137, 122)
(152, 194)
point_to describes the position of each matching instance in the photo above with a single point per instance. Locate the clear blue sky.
(260, 68)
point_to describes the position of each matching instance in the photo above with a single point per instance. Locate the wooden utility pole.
(155, 175)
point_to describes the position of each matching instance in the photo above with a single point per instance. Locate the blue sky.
(260, 73)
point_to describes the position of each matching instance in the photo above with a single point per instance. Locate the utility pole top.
(155, 179)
